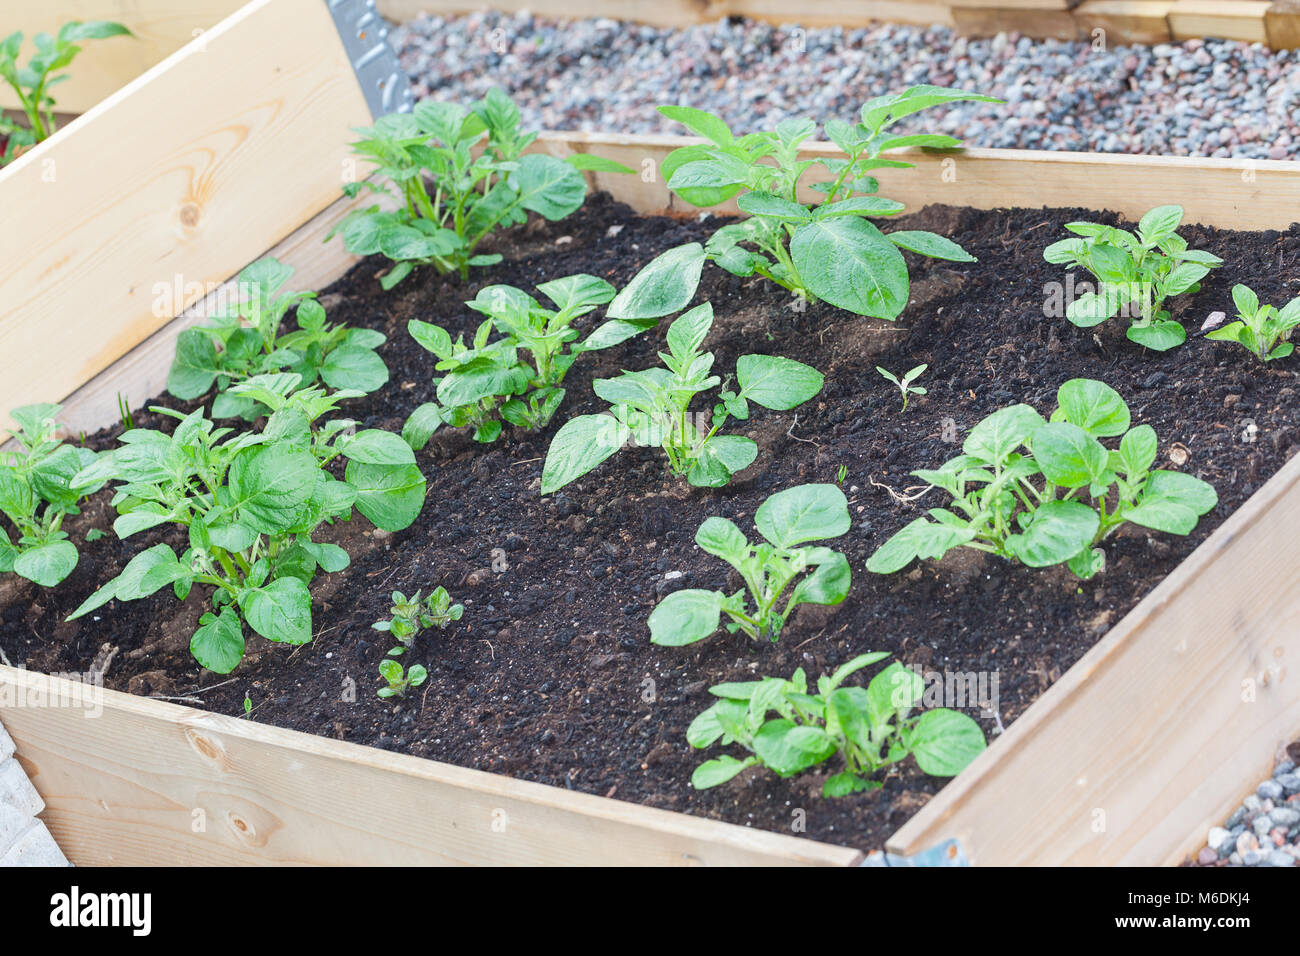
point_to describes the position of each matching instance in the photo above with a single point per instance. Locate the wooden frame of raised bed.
(195, 169)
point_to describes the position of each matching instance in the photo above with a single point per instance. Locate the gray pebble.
(1218, 839)
(1270, 790)
(1284, 817)
(1290, 782)
(1280, 858)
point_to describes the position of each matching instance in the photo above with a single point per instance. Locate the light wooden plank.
(1016, 4)
(1237, 20)
(986, 21)
(192, 170)
(161, 28)
(1282, 25)
(130, 781)
(1162, 728)
(1126, 21)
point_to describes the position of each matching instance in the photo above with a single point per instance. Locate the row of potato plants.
(1040, 490)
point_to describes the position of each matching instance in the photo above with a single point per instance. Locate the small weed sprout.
(400, 680)
(905, 383)
(409, 616)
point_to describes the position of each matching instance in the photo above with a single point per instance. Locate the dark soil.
(550, 675)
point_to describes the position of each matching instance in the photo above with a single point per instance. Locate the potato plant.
(38, 488)
(1263, 330)
(448, 199)
(399, 679)
(652, 407)
(251, 503)
(826, 250)
(31, 83)
(409, 616)
(515, 378)
(787, 520)
(789, 730)
(245, 340)
(1049, 492)
(1135, 274)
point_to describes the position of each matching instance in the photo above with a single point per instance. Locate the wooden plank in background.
(130, 781)
(1282, 24)
(1125, 21)
(991, 20)
(1162, 728)
(192, 170)
(161, 28)
(1235, 20)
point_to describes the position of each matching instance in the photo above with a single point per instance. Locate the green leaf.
(711, 773)
(375, 446)
(893, 691)
(920, 538)
(391, 496)
(280, 611)
(575, 292)
(722, 539)
(774, 207)
(829, 582)
(803, 513)
(720, 458)
(1091, 309)
(330, 557)
(884, 110)
(685, 617)
(664, 286)
(1159, 222)
(702, 196)
(354, 368)
(850, 263)
(195, 367)
(218, 644)
(944, 742)
(1160, 336)
(1057, 532)
(419, 428)
(548, 186)
(776, 382)
(1068, 455)
(615, 332)
(928, 244)
(586, 162)
(1094, 406)
(1172, 502)
(788, 748)
(46, 564)
(580, 445)
(1137, 450)
(1000, 434)
(269, 486)
(700, 123)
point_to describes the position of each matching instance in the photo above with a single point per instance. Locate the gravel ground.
(1265, 829)
(1201, 98)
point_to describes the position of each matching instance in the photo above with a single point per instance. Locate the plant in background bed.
(38, 487)
(487, 379)
(1260, 327)
(31, 83)
(652, 407)
(245, 340)
(871, 728)
(400, 680)
(251, 502)
(450, 200)
(409, 616)
(828, 249)
(1049, 492)
(787, 520)
(1135, 274)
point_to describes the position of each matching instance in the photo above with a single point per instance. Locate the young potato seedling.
(1259, 328)
(245, 341)
(787, 519)
(251, 502)
(451, 199)
(827, 250)
(38, 488)
(905, 383)
(517, 376)
(1135, 274)
(409, 616)
(1049, 492)
(31, 83)
(652, 407)
(871, 728)
(399, 680)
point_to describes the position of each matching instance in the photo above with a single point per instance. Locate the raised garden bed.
(1146, 725)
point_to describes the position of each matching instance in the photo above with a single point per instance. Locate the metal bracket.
(365, 39)
(947, 853)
